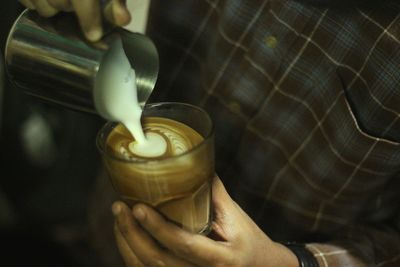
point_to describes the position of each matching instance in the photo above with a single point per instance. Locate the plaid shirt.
(306, 104)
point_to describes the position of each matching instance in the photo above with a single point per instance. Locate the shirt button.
(234, 107)
(271, 41)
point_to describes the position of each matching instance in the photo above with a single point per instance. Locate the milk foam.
(177, 140)
(155, 146)
(115, 98)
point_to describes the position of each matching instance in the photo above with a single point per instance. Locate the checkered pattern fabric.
(305, 98)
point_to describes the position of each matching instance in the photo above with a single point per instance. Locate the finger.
(227, 214)
(64, 5)
(223, 202)
(89, 16)
(117, 12)
(28, 4)
(219, 193)
(144, 246)
(44, 8)
(127, 254)
(195, 248)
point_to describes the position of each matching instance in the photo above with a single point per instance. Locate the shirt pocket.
(374, 103)
(368, 130)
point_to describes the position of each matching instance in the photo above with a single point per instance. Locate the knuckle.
(46, 12)
(229, 262)
(157, 231)
(53, 3)
(221, 264)
(63, 5)
(154, 260)
(27, 4)
(186, 248)
(124, 228)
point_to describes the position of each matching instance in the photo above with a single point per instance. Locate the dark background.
(48, 171)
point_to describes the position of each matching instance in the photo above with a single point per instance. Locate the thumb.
(220, 196)
(224, 205)
(227, 215)
(117, 13)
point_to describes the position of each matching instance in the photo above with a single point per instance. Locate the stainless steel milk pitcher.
(50, 58)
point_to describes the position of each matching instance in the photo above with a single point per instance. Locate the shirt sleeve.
(362, 246)
(343, 3)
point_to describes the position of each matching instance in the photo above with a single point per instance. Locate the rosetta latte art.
(177, 142)
(170, 138)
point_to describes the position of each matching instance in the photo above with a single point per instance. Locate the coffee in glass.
(175, 177)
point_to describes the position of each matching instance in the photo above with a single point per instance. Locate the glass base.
(206, 230)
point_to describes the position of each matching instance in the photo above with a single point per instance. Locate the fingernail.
(94, 34)
(139, 213)
(121, 14)
(116, 209)
(123, 3)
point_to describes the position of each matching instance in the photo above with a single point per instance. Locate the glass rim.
(101, 145)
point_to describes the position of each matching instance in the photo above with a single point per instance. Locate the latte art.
(177, 143)
(164, 138)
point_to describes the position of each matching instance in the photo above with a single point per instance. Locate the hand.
(87, 11)
(145, 238)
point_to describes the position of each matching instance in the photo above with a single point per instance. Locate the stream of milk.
(115, 97)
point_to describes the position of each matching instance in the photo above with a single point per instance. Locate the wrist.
(304, 257)
(287, 257)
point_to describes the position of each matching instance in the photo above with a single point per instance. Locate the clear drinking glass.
(177, 186)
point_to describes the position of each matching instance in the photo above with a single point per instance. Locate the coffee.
(176, 182)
